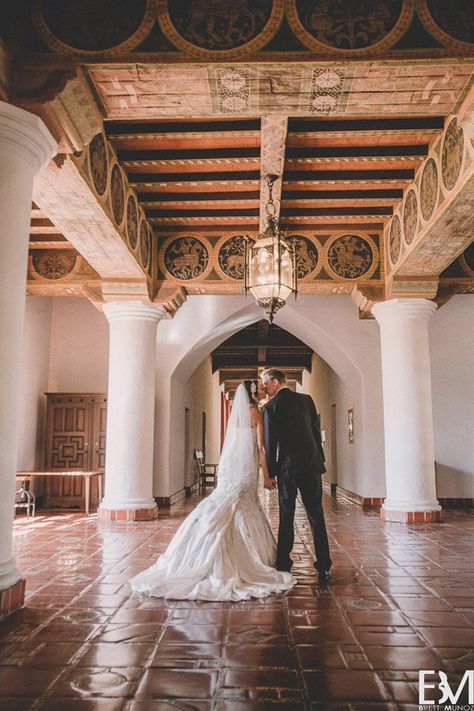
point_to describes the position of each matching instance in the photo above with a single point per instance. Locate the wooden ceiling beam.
(170, 141)
(440, 237)
(353, 138)
(341, 202)
(354, 164)
(344, 184)
(272, 162)
(146, 189)
(63, 193)
(202, 165)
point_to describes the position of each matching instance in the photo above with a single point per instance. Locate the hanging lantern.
(270, 264)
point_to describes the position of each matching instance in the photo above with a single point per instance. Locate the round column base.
(411, 516)
(12, 598)
(145, 514)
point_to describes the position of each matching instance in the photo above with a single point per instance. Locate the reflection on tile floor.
(402, 600)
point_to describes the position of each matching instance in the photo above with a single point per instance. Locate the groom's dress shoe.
(324, 577)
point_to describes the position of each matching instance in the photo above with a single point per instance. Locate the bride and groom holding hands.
(225, 549)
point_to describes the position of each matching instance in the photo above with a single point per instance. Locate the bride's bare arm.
(269, 482)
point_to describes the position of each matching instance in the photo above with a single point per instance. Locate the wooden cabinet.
(75, 439)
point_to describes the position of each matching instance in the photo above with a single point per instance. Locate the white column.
(25, 147)
(130, 410)
(408, 411)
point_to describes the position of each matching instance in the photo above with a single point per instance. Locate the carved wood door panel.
(75, 430)
(97, 449)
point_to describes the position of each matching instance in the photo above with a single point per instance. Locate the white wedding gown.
(224, 549)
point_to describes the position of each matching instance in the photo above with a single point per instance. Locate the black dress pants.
(311, 490)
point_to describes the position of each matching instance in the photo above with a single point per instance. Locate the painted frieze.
(307, 256)
(117, 198)
(429, 189)
(451, 159)
(230, 257)
(351, 256)
(395, 240)
(342, 26)
(89, 27)
(186, 258)
(228, 28)
(410, 216)
(132, 221)
(99, 163)
(53, 266)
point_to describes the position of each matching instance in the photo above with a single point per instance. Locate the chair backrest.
(199, 459)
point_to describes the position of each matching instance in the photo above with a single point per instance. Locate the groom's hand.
(270, 484)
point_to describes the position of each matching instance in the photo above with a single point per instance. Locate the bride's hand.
(269, 484)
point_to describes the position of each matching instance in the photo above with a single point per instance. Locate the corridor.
(402, 600)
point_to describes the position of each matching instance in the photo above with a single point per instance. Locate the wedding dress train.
(224, 549)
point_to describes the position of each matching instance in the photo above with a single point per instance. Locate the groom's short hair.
(275, 374)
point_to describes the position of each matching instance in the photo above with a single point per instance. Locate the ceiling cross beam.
(432, 225)
(274, 130)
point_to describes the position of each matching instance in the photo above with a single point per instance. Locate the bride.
(224, 549)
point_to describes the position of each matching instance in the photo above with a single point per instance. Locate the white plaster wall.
(182, 344)
(318, 385)
(331, 326)
(452, 373)
(79, 347)
(34, 383)
(201, 393)
(207, 398)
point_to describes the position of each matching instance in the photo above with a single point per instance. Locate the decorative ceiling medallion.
(410, 216)
(327, 84)
(351, 256)
(117, 198)
(53, 266)
(132, 221)
(99, 163)
(451, 160)
(221, 28)
(451, 23)
(307, 255)
(349, 26)
(395, 240)
(186, 258)
(230, 257)
(145, 244)
(150, 260)
(429, 189)
(85, 27)
(466, 260)
(233, 90)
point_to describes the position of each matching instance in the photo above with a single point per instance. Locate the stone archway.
(318, 321)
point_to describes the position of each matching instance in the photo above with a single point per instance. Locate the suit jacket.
(292, 436)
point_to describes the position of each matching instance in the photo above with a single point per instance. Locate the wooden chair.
(207, 472)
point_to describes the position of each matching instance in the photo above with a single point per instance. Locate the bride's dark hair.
(251, 388)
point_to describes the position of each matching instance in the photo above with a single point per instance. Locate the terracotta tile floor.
(402, 600)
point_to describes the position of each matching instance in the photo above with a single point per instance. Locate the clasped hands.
(270, 484)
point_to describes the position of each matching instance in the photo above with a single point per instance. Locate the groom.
(295, 456)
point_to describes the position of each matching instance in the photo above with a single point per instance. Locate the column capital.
(25, 136)
(409, 308)
(133, 310)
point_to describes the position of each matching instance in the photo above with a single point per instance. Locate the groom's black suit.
(296, 457)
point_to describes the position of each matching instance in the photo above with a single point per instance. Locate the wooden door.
(98, 431)
(75, 440)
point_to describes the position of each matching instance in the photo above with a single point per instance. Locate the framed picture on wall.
(350, 424)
